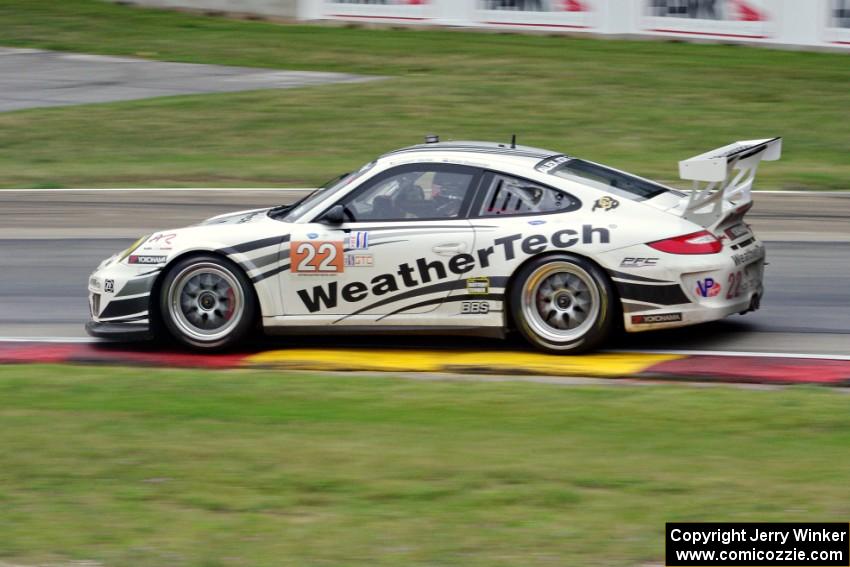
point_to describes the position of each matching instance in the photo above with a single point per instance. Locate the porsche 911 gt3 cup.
(455, 238)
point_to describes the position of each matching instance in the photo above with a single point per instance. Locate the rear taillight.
(702, 242)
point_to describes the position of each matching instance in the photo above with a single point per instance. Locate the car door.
(401, 250)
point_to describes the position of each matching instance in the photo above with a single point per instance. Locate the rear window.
(512, 196)
(611, 180)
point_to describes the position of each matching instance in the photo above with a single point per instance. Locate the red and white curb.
(761, 368)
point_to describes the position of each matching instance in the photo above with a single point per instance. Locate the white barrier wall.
(824, 23)
(274, 8)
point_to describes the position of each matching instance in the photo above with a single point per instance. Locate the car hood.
(239, 217)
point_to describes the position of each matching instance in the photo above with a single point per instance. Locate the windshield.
(611, 180)
(289, 213)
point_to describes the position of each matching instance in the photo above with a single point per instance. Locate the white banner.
(786, 22)
(837, 29)
(410, 11)
(718, 19)
(565, 15)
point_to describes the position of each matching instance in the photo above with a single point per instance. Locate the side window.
(412, 192)
(510, 196)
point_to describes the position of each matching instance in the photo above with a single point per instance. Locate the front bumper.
(119, 301)
(140, 331)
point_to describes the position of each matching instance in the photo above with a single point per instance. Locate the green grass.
(165, 467)
(641, 106)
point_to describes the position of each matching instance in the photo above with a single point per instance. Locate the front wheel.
(562, 304)
(207, 303)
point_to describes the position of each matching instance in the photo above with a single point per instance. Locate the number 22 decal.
(734, 289)
(316, 257)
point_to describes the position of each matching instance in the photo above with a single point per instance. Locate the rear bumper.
(120, 331)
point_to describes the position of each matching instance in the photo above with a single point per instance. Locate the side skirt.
(490, 332)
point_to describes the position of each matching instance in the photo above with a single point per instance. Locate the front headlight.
(123, 255)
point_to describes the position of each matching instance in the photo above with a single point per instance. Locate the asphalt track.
(32, 78)
(50, 240)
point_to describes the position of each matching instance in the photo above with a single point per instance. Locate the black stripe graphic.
(625, 276)
(125, 307)
(270, 273)
(661, 294)
(498, 281)
(451, 299)
(137, 285)
(254, 245)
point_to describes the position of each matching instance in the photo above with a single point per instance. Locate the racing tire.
(207, 303)
(563, 304)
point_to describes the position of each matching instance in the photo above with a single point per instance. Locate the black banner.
(758, 544)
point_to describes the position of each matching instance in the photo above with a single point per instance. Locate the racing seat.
(383, 208)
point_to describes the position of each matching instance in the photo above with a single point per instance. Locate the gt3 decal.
(316, 257)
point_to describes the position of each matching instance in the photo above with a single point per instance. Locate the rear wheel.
(562, 304)
(207, 303)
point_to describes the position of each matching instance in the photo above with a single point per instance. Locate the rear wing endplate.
(716, 182)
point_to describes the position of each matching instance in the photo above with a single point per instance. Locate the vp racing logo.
(421, 271)
(708, 287)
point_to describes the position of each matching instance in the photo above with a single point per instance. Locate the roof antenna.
(513, 142)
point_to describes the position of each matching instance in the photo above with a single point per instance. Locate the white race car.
(455, 238)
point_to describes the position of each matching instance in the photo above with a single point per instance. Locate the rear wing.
(715, 182)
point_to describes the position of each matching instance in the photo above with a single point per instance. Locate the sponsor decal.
(649, 319)
(737, 231)
(248, 218)
(474, 307)
(536, 5)
(135, 259)
(421, 271)
(358, 241)
(383, 2)
(160, 241)
(639, 262)
(316, 257)
(109, 286)
(749, 256)
(359, 260)
(478, 285)
(708, 287)
(548, 165)
(536, 222)
(312, 235)
(840, 13)
(605, 203)
(733, 10)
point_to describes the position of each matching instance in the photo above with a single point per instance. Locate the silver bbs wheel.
(560, 302)
(205, 301)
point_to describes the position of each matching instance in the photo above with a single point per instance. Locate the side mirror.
(334, 215)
